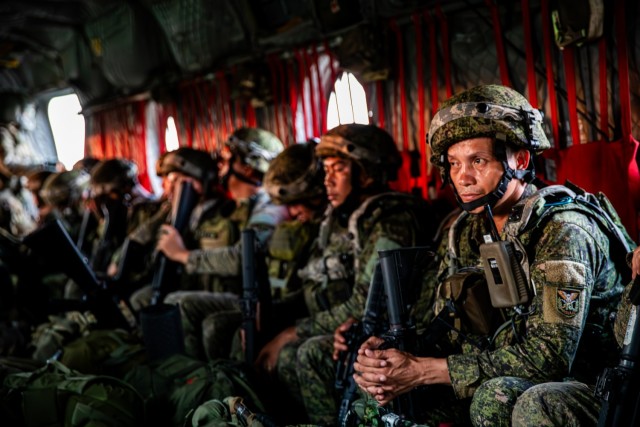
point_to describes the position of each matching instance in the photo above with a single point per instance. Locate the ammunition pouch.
(467, 296)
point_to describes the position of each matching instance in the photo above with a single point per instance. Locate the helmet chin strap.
(492, 198)
(231, 171)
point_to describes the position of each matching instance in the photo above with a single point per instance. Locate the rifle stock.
(619, 387)
(255, 303)
(165, 272)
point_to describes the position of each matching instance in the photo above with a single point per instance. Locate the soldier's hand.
(339, 340)
(386, 374)
(171, 245)
(268, 356)
(635, 263)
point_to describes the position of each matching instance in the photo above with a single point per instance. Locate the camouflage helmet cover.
(197, 164)
(64, 188)
(370, 146)
(113, 175)
(256, 147)
(296, 175)
(486, 111)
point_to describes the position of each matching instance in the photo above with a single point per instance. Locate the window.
(171, 135)
(67, 126)
(347, 102)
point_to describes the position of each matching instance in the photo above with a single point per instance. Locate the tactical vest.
(342, 248)
(462, 280)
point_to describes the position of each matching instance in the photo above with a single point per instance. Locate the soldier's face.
(337, 179)
(300, 212)
(474, 170)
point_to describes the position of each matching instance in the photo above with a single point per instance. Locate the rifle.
(114, 233)
(619, 387)
(87, 226)
(406, 266)
(371, 324)
(165, 272)
(255, 303)
(53, 243)
(399, 274)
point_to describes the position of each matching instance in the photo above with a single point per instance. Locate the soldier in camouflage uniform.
(294, 180)
(64, 192)
(484, 140)
(120, 203)
(209, 227)
(364, 217)
(244, 161)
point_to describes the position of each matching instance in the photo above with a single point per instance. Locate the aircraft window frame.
(67, 128)
(347, 102)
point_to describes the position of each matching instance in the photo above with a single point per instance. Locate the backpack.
(55, 395)
(110, 352)
(174, 386)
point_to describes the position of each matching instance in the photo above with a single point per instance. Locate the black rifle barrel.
(164, 269)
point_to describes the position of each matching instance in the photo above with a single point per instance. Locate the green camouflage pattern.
(209, 228)
(295, 176)
(369, 146)
(460, 118)
(577, 287)
(388, 222)
(557, 404)
(320, 398)
(327, 277)
(258, 213)
(257, 147)
(510, 401)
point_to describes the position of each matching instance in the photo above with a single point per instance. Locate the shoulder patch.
(568, 302)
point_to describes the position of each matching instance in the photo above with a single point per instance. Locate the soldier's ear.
(523, 158)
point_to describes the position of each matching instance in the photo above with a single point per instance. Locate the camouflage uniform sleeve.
(227, 261)
(390, 233)
(568, 258)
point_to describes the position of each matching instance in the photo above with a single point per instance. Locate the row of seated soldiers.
(321, 213)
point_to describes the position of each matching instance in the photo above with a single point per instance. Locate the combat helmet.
(64, 189)
(369, 146)
(256, 147)
(296, 175)
(195, 163)
(492, 111)
(113, 176)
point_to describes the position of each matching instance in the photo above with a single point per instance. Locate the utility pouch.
(467, 292)
(506, 281)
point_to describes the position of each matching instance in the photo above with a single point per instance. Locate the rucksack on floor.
(55, 395)
(111, 352)
(174, 386)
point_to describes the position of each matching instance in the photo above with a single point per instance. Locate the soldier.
(209, 223)
(484, 141)
(245, 159)
(35, 181)
(64, 192)
(293, 180)
(364, 216)
(120, 203)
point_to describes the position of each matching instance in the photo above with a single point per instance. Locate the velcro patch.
(568, 302)
(563, 283)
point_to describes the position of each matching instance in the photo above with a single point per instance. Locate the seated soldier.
(120, 203)
(35, 182)
(364, 216)
(293, 180)
(244, 160)
(64, 192)
(209, 225)
(484, 140)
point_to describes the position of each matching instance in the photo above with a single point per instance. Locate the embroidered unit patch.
(568, 302)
